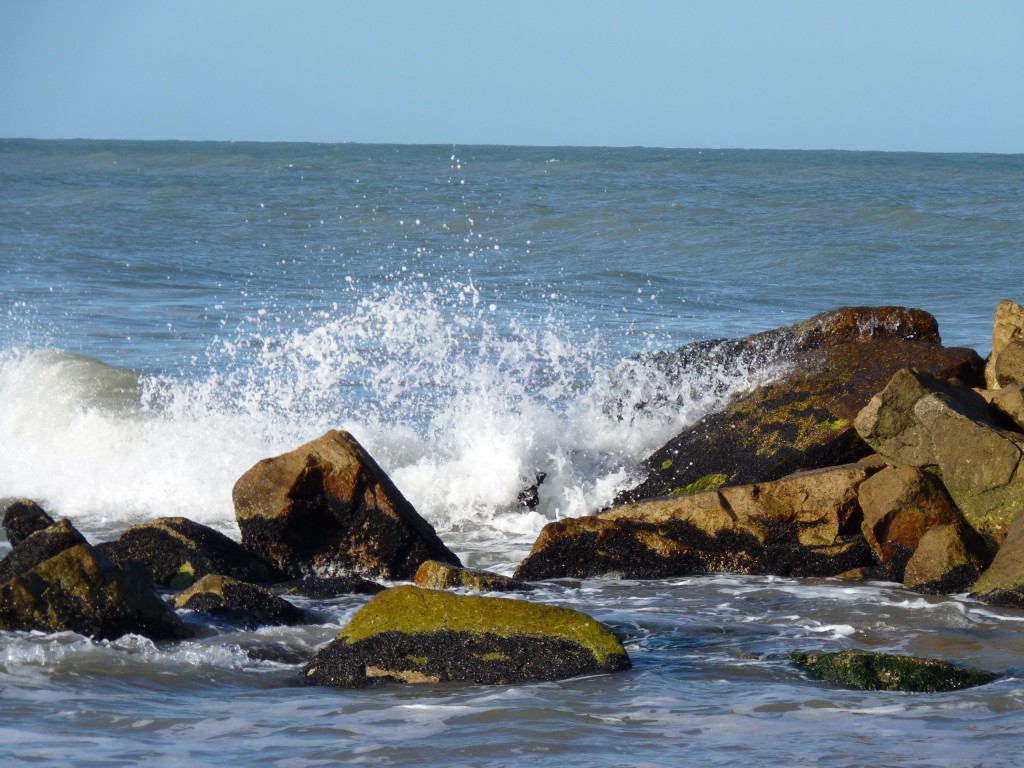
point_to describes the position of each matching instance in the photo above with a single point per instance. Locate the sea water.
(170, 313)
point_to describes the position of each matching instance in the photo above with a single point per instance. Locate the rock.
(1007, 368)
(39, 546)
(412, 635)
(239, 601)
(802, 420)
(326, 509)
(807, 524)
(435, 575)
(948, 560)
(1003, 582)
(865, 671)
(22, 518)
(178, 552)
(82, 590)
(1009, 401)
(922, 421)
(1007, 329)
(326, 589)
(900, 506)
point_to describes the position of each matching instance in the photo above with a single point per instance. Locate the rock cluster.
(876, 450)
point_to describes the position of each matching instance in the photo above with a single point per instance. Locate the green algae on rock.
(409, 634)
(865, 671)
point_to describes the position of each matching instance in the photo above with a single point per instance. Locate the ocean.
(172, 312)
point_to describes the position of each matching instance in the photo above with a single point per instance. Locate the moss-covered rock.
(22, 518)
(435, 575)
(38, 546)
(864, 671)
(179, 551)
(82, 590)
(804, 419)
(327, 509)
(920, 420)
(807, 524)
(408, 634)
(239, 601)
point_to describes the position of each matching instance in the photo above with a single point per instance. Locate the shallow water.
(171, 313)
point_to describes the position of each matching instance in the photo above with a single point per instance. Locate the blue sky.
(924, 75)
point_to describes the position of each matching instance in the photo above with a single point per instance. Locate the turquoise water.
(170, 313)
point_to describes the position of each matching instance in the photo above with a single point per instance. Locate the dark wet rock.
(435, 575)
(326, 589)
(1007, 335)
(1003, 582)
(239, 601)
(327, 509)
(412, 635)
(22, 518)
(807, 524)
(803, 419)
(529, 497)
(178, 552)
(82, 590)
(38, 546)
(922, 421)
(901, 506)
(865, 671)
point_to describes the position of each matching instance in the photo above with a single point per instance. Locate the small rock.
(435, 575)
(235, 600)
(38, 546)
(22, 518)
(1007, 329)
(1003, 582)
(326, 589)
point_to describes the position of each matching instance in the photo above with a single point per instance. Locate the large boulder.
(239, 601)
(326, 509)
(804, 419)
(435, 575)
(1006, 362)
(922, 421)
(901, 507)
(82, 590)
(413, 635)
(23, 517)
(178, 552)
(38, 546)
(807, 524)
(864, 671)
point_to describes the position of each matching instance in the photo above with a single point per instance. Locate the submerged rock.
(807, 524)
(239, 601)
(82, 590)
(922, 421)
(412, 635)
(865, 671)
(804, 419)
(178, 552)
(22, 518)
(38, 546)
(325, 589)
(435, 575)
(326, 509)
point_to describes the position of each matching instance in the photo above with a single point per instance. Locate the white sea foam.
(461, 405)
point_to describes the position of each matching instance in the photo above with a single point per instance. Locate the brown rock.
(1003, 582)
(807, 524)
(23, 517)
(435, 575)
(39, 546)
(948, 559)
(1007, 328)
(1009, 401)
(326, 509)
(1008, 366)
(900, 505)
(249, 604)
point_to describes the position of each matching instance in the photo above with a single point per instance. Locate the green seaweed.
(709, 482)
(885, 672)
